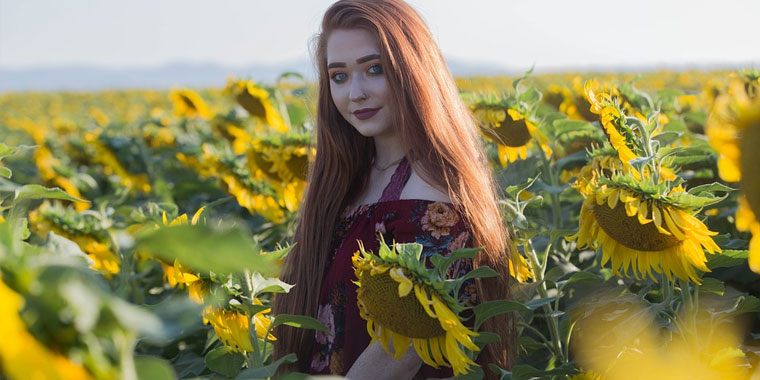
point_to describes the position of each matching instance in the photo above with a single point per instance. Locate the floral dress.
(435, 225)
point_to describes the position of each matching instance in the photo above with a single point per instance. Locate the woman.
(395, 144)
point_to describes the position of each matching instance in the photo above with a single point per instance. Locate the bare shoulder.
(417, 188)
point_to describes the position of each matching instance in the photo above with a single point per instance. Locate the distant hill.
(87, 78)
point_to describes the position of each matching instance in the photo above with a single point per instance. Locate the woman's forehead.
(349, 45)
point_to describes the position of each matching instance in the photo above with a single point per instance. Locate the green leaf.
(490, 309)
(712, 285)
(225, 360)
(298, 321)
(536, 303)
(526, 371)
(479, 272)
(5, 172)
(710, 189)
(262, 284)
(153, 368)
(485, 338)
(728, 258)
(268, 370)
(749, 304)
(464, 253)
(206, 250)
(27, 192)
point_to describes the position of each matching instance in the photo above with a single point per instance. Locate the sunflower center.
(629, 232)
(252, 104)
(749, 157)
(513, 133)
(402, 315)
(297, 165)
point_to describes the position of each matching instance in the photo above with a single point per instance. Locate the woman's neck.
(387, 149)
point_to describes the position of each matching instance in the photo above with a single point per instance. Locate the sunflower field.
(142, 232)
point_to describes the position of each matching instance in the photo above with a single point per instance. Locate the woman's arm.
(374, 363)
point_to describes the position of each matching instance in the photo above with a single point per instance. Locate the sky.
(510, 34)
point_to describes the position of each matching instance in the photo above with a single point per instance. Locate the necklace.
(388, 166)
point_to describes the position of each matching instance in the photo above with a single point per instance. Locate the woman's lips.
(366, 113)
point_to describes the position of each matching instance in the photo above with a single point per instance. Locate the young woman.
(398, 153)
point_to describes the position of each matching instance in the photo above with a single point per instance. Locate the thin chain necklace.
(374, 165)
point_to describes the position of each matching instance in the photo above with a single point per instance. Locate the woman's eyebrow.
(360, 60)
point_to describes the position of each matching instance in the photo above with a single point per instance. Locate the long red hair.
(442, 144)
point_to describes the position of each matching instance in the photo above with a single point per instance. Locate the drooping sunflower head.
(733, 129)
(612, 119)
(513, 132)
(187, 103)
(257, 102)
(409, 304)
(646, 228)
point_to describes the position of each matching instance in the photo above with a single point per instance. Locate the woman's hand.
(374, 363)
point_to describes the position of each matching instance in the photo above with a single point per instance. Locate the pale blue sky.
(512, 34)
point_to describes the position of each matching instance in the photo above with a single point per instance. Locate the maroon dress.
(435, 225)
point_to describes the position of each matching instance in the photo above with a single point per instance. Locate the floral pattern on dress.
(438, 219)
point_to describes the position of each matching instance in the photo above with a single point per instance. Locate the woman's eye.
(375, 69)
(339, 77)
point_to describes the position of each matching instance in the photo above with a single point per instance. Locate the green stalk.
(553, 323)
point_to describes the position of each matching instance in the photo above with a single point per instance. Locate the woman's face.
(357, 81)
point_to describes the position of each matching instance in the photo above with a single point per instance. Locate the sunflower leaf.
(298, 321)
(225, 360)
(710, 189)
(268, 370)
(487, 310)
(204, 249)
(728, 258)
(459, 254)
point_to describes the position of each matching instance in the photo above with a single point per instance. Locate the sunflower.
(256, 196)
(405, 303)
(177, 275)
(24, 357)
(187, 103)
(82, 229)
(513, 133)
(112, 166)
(733, 129)
(612, 120)
(256, 101)
(233, 327)
(637, 228)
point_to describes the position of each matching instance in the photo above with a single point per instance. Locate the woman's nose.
(357, 92)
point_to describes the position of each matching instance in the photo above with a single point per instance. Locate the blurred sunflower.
(82, 229)
(112, 165)
(646, 227)
(733, 129)
(233, 327)
(175, 274)
(256, 101)
(408, 304)
(512, 132)
(24, 357)
(187, 103)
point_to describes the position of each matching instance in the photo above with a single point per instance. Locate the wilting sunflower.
(23, 357)
(408, 304)
(734, 130)
(187, 103)
(233, 327)
(645, 227)
(513, 133)
(256, 101)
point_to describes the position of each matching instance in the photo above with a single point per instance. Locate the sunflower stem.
(539, 269)
(254, 359)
